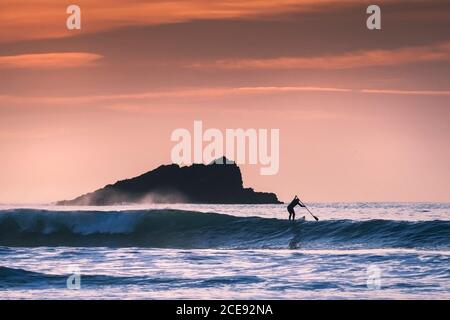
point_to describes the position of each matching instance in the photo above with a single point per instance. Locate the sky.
(364, 115)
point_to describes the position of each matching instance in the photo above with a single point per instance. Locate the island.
(219, 182)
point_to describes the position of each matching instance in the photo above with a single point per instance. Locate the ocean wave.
(186, 229)
(16, 277)
(21, 278)
(25, 279)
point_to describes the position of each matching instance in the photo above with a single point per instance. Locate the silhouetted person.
(290, 207)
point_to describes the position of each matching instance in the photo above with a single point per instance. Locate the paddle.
(317, 219)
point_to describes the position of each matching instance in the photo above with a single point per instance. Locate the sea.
(185, 251)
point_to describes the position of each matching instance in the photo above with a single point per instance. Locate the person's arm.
(300, 203)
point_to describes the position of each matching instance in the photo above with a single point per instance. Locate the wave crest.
(185, 229)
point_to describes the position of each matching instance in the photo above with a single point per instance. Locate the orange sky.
(363, 115)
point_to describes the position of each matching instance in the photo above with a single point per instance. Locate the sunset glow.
(363, 115)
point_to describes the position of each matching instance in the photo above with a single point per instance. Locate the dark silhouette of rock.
(198, 183)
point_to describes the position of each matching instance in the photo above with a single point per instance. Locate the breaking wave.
(192, 230)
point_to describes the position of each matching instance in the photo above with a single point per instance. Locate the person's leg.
(291, 214)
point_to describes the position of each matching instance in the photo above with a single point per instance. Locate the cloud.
(355, 59)
(164, 95)
(408, 92)
(127, 100)
(24, 19)
(55, 60)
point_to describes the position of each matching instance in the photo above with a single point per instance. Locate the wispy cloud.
(164, 94)
(356, 59)
(408, 92)
(180, 95)
(55, 60)
(26, 19)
